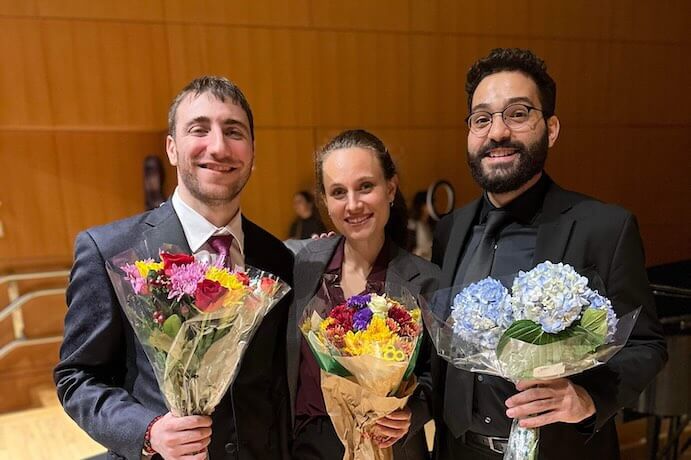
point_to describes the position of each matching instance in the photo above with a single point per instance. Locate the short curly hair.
(514, 59)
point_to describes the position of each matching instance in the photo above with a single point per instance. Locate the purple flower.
(358, 301)
(135, 278)
(361, 319)
(184, 279)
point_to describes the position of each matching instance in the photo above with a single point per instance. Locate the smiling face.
(503, 160)
(357, 194)
(212, 149)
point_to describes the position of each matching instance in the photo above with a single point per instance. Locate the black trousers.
(317, 440)
(448, 447)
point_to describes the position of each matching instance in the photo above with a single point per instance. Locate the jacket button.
(231, 448)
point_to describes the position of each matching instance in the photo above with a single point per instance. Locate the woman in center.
(357, 181)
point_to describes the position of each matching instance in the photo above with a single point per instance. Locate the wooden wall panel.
(32, 211)
(392, 15)
(101, 175)
(44, 317)
(283, 165)
(274, 68)
(107, 74)
(15, 8)
(424, 16)
(667, 21)
(23, 370)
(121, 10)
(646, 172)
(361, 79)
(295, 13)
(23, 90)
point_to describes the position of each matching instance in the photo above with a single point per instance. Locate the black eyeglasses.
(515, 116)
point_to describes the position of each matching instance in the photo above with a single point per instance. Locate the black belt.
(493, 443)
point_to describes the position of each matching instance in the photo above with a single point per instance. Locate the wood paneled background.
(85, 86)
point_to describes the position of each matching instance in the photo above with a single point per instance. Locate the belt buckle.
(499, 448)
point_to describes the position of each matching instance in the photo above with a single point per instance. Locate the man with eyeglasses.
(524, 218)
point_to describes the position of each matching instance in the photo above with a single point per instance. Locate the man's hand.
(392, 427)
(181, 437)
(541, 402)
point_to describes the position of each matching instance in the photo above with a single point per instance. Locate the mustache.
(506, 144)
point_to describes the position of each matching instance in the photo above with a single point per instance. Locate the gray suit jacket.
(416, 274)
(104, 380)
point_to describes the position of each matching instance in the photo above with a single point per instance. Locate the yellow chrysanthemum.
(145, 266)
(356, 344)
(224, 278)
(377, 331)
(326, 323)
(415, 314)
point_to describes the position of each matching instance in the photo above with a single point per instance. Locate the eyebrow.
(206, 120)
(359, 179)
(513, 100)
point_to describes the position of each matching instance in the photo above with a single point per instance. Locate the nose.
(498, 130)
(353, 202)
(217, 142)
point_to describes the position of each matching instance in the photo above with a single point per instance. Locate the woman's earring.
(391, 203)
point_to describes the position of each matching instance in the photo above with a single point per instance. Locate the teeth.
(357, 220)
(502, 154)
(217, 168)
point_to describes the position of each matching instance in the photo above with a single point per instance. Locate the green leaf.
(413, 360)
(171, 326)
(595, 321)
(530, 332)
(323, 358)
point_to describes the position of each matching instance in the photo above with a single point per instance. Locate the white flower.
(379, 305)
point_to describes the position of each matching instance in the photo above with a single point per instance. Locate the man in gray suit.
(104, 379)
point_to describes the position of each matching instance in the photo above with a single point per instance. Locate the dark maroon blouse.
(309, 402)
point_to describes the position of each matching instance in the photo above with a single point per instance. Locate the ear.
(553, 127)
(391, 187)
(171, 151)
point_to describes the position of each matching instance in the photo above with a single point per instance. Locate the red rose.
(209, 296)
(267, 285)
(175, 259)
(243, 278)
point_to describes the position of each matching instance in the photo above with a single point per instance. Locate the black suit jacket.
(104, 380)
(589, 235)
(405, 269)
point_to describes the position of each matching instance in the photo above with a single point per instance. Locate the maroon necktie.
(221, 245)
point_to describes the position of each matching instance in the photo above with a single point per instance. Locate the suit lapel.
(459, 231)
(164, 229)
(401, 270)
(555, 227)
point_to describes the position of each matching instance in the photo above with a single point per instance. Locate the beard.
(213, 196)
(507, 178)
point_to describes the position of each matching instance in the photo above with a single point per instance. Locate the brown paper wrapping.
(354, 409)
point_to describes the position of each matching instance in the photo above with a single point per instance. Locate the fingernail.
(509, 413)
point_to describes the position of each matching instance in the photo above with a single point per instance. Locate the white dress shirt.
(198, 230)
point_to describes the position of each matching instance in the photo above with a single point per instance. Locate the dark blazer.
(416, 274)
(589, 235)
(104, 380)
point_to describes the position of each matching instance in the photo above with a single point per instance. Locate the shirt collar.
(525, 207)
(198, 230)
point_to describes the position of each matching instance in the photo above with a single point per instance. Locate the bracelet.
(148, 450)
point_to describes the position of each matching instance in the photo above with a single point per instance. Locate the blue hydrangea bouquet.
(550, 325)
